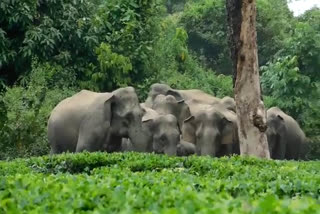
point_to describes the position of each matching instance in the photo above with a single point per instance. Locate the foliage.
(144, 183)
(305, 44)
(176, 66)
(292, 81)
(52, 30)
(27, 107)
(205, 22)
(67, 32)
(283, 79)
(285, 87)
(128, 28)
(274, 24)
(114, 68)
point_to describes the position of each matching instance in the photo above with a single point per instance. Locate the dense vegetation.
(50, 49)
(147, 183)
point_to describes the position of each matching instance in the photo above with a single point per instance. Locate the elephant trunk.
(208, 143)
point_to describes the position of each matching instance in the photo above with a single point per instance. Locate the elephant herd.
(170, 121)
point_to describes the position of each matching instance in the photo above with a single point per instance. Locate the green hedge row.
(148, 183)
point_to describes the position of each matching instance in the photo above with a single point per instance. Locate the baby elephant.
(185, 148)
(160, 133)
(285, 138)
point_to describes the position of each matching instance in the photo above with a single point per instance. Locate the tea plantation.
(147, 183)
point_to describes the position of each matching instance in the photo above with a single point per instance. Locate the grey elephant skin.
(168, 104)
(95, 121)
(212, 125)
(160, 131)
(213, 130)
(164, 131)
(189, 96)
(286, 139)
(186, 95)
(185, 148)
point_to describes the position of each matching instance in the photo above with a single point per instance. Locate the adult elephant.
(190, 96)
(161, 133)
(213, 129)
(285, 137)
(186, 95)
(95, 121)
(170, 105)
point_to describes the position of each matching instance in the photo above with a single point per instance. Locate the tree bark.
(243, 48)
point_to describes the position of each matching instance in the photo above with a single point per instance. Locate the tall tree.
(250, 109)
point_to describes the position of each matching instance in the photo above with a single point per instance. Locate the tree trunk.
(250, 109)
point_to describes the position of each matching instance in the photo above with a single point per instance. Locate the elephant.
(161, 133)
(286, 139)
(229, 103)
(195, 95)
(190, 96)
(185, 148)
(213, 130)
(95, 121)
(169, 105)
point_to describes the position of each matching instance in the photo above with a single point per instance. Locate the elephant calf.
(285, 137)
(185, 148)
(160, 131)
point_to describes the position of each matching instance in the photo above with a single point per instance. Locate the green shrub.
(26, 109)
(148, 183)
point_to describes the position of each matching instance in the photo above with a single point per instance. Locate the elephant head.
(155, 90)
(126, 115)
(170, 105)
(212, 127)
(165, 133)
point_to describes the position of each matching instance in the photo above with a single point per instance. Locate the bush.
(26, 109)
(145, 183)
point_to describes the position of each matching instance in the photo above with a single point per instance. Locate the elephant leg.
(281, 149)
(93, 138)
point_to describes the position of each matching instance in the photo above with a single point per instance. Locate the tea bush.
(148, 183)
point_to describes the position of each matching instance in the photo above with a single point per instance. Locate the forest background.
(51, 49)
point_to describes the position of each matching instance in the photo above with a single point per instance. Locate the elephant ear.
(146, 117)
(176, 94)
(109, 100)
